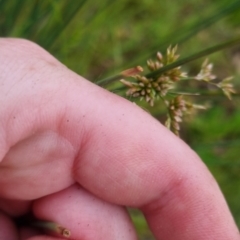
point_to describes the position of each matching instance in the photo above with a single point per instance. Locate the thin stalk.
(52, 227)
(203, 24)
(189, 32)
(188, 79)
(126, 73)
(178, 63)
(120, 89)
(216, 93)
(184, 93)
(195, 56)
(108, 80)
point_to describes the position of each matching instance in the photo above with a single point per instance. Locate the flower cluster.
(151, 89)
(206, 75)
(227, 87)
(159, 86)
(147, 88)
(176, 109)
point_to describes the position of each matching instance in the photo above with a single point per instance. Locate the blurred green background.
(99, 38)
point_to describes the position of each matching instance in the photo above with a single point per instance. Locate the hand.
(75, 154)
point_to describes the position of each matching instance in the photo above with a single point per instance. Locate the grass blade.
(178, 63)
(184, 34)
(195, 56)
(67, 17)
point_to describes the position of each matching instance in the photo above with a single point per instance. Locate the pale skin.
(75, 154)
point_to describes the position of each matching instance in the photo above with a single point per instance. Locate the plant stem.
(126, 73)
(108, 80)
(53, 227)
(184, 93)
(195, 56)
(178, 63)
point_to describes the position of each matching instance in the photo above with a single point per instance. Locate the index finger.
(130, 159)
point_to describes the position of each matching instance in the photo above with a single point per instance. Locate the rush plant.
(164, 86)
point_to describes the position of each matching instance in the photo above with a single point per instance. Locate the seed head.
(205, 73)
(227, 87)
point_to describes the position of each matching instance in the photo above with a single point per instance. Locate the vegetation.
(100, 39)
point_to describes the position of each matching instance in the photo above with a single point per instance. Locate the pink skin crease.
(76, 154)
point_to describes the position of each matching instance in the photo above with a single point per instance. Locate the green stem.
(178, 63)
(205, 94)
(188, 79)
(110, 79)
(195, 56)
(184, 93)
(126, 73)
(181, 35)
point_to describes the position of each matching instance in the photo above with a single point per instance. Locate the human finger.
(84, 215)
